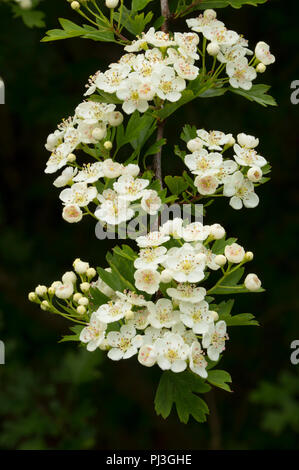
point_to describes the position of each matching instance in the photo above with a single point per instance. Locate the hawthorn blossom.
(203, 163)
(78, 193)
(125, 343)
(196, 231)
(162, 314)
(172, 352)
(113, 311)
(150, 257)
(187, 292)
(214, 340)
(197, 362)
(152, 239)
(94, 333)
(262, 53)
(90, 173)
(129, 188)
(240, 74)
(248, 157)
(147, 280)
(196, 316)
(114, 212)
(213, 140)
(66, 177)
(185, 264)
(150, 201)
(241, 191)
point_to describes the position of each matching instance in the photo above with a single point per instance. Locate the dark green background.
(56, 396)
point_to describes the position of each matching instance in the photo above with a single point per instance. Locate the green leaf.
(138, 5)
(176, 184)
(97, 297)
(202, 5)
(71, 30)
(153, 149)
(257, 93)
(134, 23)
(31, 18)
(181, 389)
(219, 245)
(219, 378)
(242, 319)
(75, 337)
(188, 133)
(212, 92)
(168, 109)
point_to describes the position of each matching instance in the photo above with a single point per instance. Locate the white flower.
(196, 316)
(159, 38)
(111, 169)
(217, 231)
(248, 141)
(147, 280)
(78, 193)
(185, 264)
(214, 140)
(173, 227)
(197, 362)
(196, 231)
(140, 320)
(150, 257)
(64, 291)
(162, 314)
(241, 191)
(206, 185)
(262, 52)
(94, 111)
(210, 256)
(69, 277)
(54, 139)
(254, 174)
(80, 266)
(132, 298)
(113, 311)
(188, 335)
(195, 144)
(66, 177)
(202, 21)
(125, 343)
(94, 333)
(147, 355)
(103, 287)
(131, 170)
(172, 352)
(252, 282)
(187, 293)
(150, 201)
(231, 53)
(136, 91)
(225, 170)
(187, 43)
(112, 78)
(152, 239)
(130, 188)
(169, 87)
(72, 213)
(248, 157)
(234, 253)
(214, 340)
(90, 173)
(114, 212)
(221, 35)
(185, 70)
(58, 158)
(203, 163)
(90, 132)
(241, 74)
(151, 335)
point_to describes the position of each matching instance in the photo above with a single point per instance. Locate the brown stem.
(157, 158)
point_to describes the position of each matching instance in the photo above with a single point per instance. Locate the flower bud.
(115, 118)
(69, 277)
(147, 356)
(220, 260)
(51, 291)
(111, 3)
(210, 14)
(254, 174)
(45, 305)
(90, 273)
(248, 256)
(213, 48)
(80, 266)
(75, 5)
(65, 291)
(99, 133)
(83, 301)
(85, 286)
(41, 290)
(77, 297)
(217, 231)
(194, 144)
(56, 284)
(104, 345)
(165, 276)
(32, 297)
(260, 68)
(248, 141)
(252, 282)
(129, 315)
(231, 141)
(108, 145)
(234, 253)
(81, 309)
(214, 315)
(71, 157)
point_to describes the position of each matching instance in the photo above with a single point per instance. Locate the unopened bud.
(260, 68)
(248, 256)
(214, 315)
(71, 157)
(85, 286)
(108, 145)
(45, 305)
(83, 301)
(41, 290)
(213, 48)
(90, 273)
(220, 260)
(111, 3)
(32, 297)
(81, 309)
(75, 5)
(77, 297)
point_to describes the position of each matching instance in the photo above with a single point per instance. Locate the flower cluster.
(231, 49)
(155, 67)
(234, 177)
(171, 329)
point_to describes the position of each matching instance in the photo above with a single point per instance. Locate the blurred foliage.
(45, 401)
